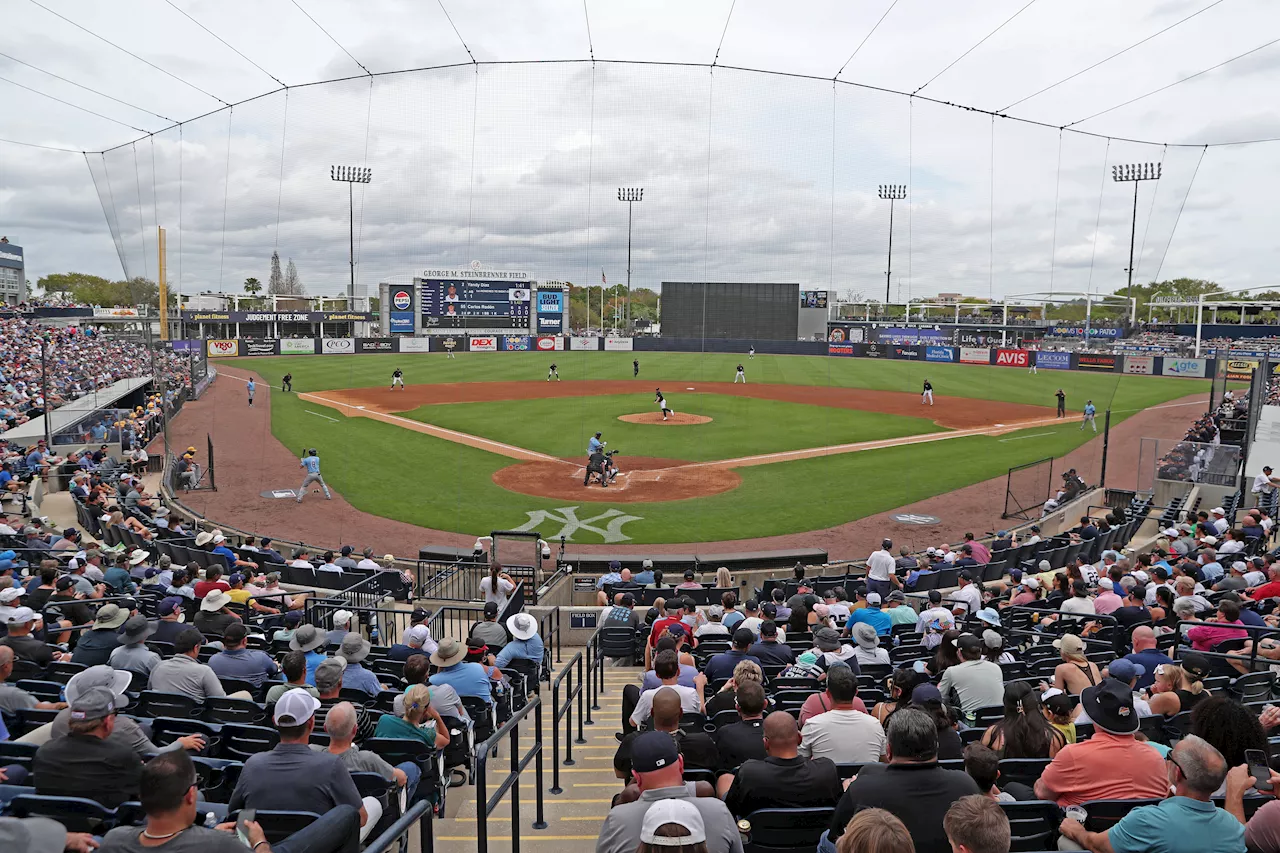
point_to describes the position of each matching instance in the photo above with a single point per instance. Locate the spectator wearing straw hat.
(96, 644)
(132, 655)
(468, 679)
(214, 618)
(310, 640)
(353, 651)
(525, 645)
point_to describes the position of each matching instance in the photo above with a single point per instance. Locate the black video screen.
(765, 312)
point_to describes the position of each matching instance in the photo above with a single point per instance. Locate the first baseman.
(552, 371)
(397, 378)
(662, 403)
(740, 375)
(926, 396)
(312, 463)
(252, 389)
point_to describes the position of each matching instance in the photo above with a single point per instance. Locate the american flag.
(603, 280)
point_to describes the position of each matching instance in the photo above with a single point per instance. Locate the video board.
(466, 303)
(813, 299)
(739, 310)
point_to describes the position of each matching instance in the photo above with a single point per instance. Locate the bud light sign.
(401, 314)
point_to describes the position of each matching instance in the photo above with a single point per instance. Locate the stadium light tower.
(1135, 173)
(891, 193)
(630, 195)
(351, 175)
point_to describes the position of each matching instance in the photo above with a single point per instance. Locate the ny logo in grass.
(568, 516)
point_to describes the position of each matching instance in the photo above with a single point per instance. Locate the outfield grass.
(1107, 390)
(740, 426)
(386, 470)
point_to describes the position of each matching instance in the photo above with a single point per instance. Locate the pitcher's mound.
(678, 419)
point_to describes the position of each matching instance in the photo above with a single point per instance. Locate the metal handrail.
(565, 711)
(486, 804)
(419, 812)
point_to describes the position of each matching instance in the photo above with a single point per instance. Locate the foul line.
(1021, 437)
(318, 415)
(498, 447)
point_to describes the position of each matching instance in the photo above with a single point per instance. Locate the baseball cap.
(1105, 583)
(10, 594)
(491, 608)
(169, 605)
(873, 598)
(420, 613)
(969, 643)
(681, 813)
(43, 835)
(614, 565)
(64, 583)
(21, 616)
(926, 693)
(1070, 644)
(329, 673)
(1125, 670)
(897, 595)
(235, 579)
(1194, 664)
(651, 751)
(93, 704)
(297, 706)
(1015, 575)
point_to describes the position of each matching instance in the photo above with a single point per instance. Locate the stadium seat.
(77, 814)
(1104, 814)
(784, 830)
(1033, 824)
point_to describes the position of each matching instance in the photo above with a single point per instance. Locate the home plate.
(280, 493)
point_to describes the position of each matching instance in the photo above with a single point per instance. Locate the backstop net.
(1027, 488)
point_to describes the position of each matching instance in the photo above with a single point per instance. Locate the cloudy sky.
(748, 176)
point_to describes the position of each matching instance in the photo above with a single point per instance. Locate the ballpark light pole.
(1135, 173)
(891, 193)
(351, 175)
(630, 195)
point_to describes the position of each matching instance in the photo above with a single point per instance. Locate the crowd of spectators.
(78, 361)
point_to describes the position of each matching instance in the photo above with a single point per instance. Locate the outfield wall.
(1142, 365)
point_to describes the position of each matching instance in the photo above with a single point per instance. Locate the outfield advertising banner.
(515, 343)
(266, 346)
(584, 343)
(839, 349)
(912, 337)
(1139, 364)
(415, 345)
(550, 302)
(549, 344)
(874, 351)
(222, 348)
(550, 324)
(617, 344)
(845, 334)
(1241, 369)
(297, 346)
(1053, 360)
(908, 353)
(940, 354)
(402, 309)
(484, 344)
(375, 345)
(337, 346)
(1193, 367)
(970, 355)
(1012, 357)
(451, 344)
(1093, 361)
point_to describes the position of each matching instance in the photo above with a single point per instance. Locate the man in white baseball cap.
(293, 777)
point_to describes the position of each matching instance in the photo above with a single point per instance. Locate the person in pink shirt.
(981, 552)
(1107, 600)
(1204, 637)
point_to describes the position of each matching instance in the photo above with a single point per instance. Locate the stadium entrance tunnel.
(642, 479)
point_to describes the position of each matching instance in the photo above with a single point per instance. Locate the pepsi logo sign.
(401, 300)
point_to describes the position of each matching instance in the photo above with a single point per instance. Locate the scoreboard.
(475, 299)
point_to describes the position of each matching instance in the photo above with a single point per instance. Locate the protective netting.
(747, 177)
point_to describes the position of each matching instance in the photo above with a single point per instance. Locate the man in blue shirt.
(872, 615)
(353, 650)
(468, 679)
(615, 575)
(311, 462)
(252, 388)
(1188, 821)
(1089, 411)
(526, 645)
(310, 639)
(644, 577)
(720, 667)
(595, 444)
(238, 661)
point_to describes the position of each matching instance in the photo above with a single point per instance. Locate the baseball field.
(483, 441)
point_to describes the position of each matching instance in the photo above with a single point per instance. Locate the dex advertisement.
(297, 346)
(484, 344)
(1193, 367)
(415, 344)
(1053, 360)
(970, 355)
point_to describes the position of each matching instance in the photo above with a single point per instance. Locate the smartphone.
(241, 832)
(1259, 769)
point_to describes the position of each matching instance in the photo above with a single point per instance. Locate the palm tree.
(252, 286)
